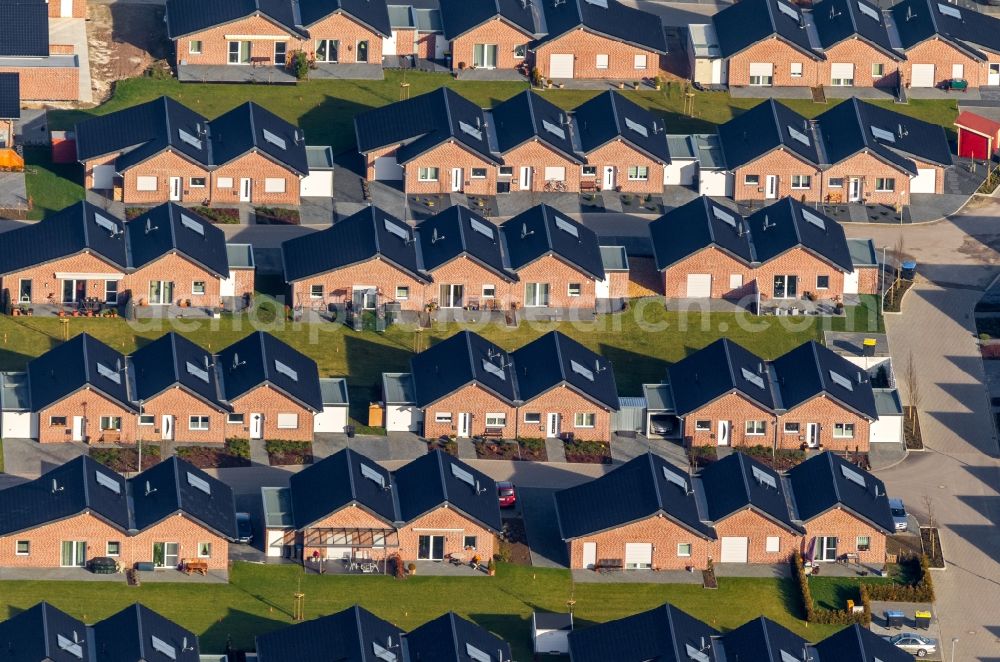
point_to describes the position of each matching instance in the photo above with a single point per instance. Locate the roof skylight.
(193, 225)
(198, 483)
(675, 479)
(869, 11)
(764, 478)
(882, 134)
(638, 128)
(853, 476)
(948, 10)
(599, 3)
(814, 219)
(724, 216)
(286, 370)
(799, 136)
(463, 475)
(197, 371)
(397, 230)
(473, 652)
(163, 647)
(553, 129)
(107, 481)
(383, 653)
(275, 139)
(471, 130)
(109, 373)
(569, 227)
(373, 475)
(788, 657)
(788, 10)
(494, 369)
(482, 228)
(841, 381)
(752, 377)
(106, 224)
(71, 646)
(582, 370)
(693, 653)
(190, 139)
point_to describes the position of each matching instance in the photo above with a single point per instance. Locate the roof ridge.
(166, 118)
(559, 356)
(175, 465)
(444, 483)
(729, 361)
(138, 624)
(854, 22)
(454, 634)
(656, 482)
(461, 226)
(614, 112)
(763, 627)
(447, 111)
(361, 634)
(796, 212)
(708, 218)
(86, 487)
(674, 644)
(833, 475)
(263, 355)
(350, 473)
(545, 226)
(770, 15)
(86, 232)
(743, 476)
(472, 359)
(531, 112)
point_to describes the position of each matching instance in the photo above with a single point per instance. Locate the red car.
(506, 494)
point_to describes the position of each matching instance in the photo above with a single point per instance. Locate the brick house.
(48, 71)
(231, 41)
(167, 256)
(855, 152)
(807, 398)
(859, 643)
(10, 112)
(165, 515)
(661, 633)
(161, 151)
(495, 34)
(783, 251)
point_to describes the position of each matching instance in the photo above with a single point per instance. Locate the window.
(147, 420)
(822, 282)
(198, 423)
(145, 183)
(573, 289)
(589, 171)
(532, 418)
(761, 74)
(584, 419)
(536, 294)
(684, 549)
(484, 56)
(111, 291)
(442, 417)
(602, 61)
(489, 291)
(496, 420)
(316, 291)
(735, 281)
(702, 426)
(791, 428)
(755, 428)
(427, 174)
(22, 547)
(864, 543)
(520, 51)
(479, 173)
(280, 52)
(836, 182)
(194, 47)
(796, 70)
(234, 419)
(224, 183)
(638, 173)
(111, 422)
(24, 290)
(197, 182)
(327, 50)
(878, 69)
(751, 180)
(57, 421)
(843, 430)
(198, 287)
(402, 292)
(469, 542)
(885, 184)
(772, 545)
(506, 171)
(801, 181)
(640, 60)
(113, 548)
(274, 185)
(288, 421)
(363, 50)
(841, 74)
(555, 173)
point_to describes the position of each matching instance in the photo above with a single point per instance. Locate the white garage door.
(922, 75)
(924, 182)
(386, 168)
(104, 177)
(734, 550)
(699, 286)
(561, 65)
(638, 555)
(317, 184)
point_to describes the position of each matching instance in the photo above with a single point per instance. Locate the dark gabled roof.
(610, 115)
(811, 370)
(528, 116)
(746, 23)
(450, 638)
(170, 228)
(738, 482)
(24, 28)
(662, 634)
(175, 486)
(713, 371)
(839, 20)
(542, 231)
(857, 644)
(460, 16)
(634, 491)
(69, 231)
(373, 14)
(763, 640)
(347, 636)
(65, 491)
(464, 358)
(10, 95)
(424, 122)
(458, 231)
(433, 480)
(139, 633)
(173, 360)
(34, 635)
(338, 481)
(250, 127)
(260, 358)
(821, 483)
(608, 18)
(187, 16)
(554, 360)
(764, 128)
(79, 362)
(696, 225)
(367, 234)
(788, 223)
(970, 31)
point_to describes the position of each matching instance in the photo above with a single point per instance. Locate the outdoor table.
(894, 619)
(922, 619)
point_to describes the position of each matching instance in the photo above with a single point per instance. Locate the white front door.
(176, 184)
(525, 183)
(699, 286)
(993, 78)
(389, 44)
(851, 282)
(552, 425)
(924, 182)
(638, 555)
(609, 178)
(958, 71)
(589, 555)
(246, 187)
(602, 288)
(227, 286)
(256, 426)
(722, 438)
(66, 8)
(456, 179)
(771, 188)
(734, 549)
(561, 65)
(167, 427)
(922, 75)
(78, 425)
(464, 424)
(854, 189)
(812, 435)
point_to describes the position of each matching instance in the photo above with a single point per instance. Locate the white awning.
(71, 275)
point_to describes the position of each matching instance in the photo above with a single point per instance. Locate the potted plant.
(412, 567)
(621, 86)
(31, 311)
(658, 82)
(491, 568)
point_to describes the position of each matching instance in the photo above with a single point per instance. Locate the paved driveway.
(539, 511)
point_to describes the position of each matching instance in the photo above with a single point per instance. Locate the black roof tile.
(610, 115)
(662, 634)
(170, 228)
(528, 116)
(187, 16)
(460, 16)
(436, 479)
(713, 371)
(173, 360)
(857, 644)
(788, 223)
(139, 634)
(738, 482)
(259, 359)
(464, 358)
(458, 231)
(696, 225)
(270, 135)
(33, 635)
(763, 640)
(80, 361)
(338, 481)
(542, 231)
(451, 638)
(839, 20)
(555, 359)
(605, 17)
(352, 635)
(10, 95)
(746, 23)
(766, 127)
(373, 14)
(175, 486)
(970, 31)
(827, 481)
(810, 370)
(24, 28)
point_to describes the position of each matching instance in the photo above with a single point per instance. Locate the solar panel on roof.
(190, 139)
(106, 223)
(868, 11)
(396, 230)
(107, 481)
(198, 483)
(763, 477)
(692, 652)
(752, 377)
(383, 653)
(599, 3)
(841, 381)
(882, 134)
(74, 648)
(275, 139)
(192, 224)
(471, 130)
(853, 476)
(814, 219)
(788, 657)
(463, 475)
(163, 647)
(788, 10)
(373, 475)
(798, 135)
(948, 10)
(473, 652)
(482, 228)
(108, 373)
(197, 371)
(568, 227)
(724, 216)
(494, 370)
(286, 370)
(677, 480)
(638, 128)
(552, 128)
(582, 370)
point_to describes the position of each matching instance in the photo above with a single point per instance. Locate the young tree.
(931, 524)
(912, 386)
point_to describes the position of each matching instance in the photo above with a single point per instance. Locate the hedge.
(827, 616)
(920, 591)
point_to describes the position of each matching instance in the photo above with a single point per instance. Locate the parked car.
(899, 517)
(506, 493)
(915, 644)
(662, 425)
(244, 530)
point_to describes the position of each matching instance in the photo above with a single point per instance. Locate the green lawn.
(51, 186)
(259, 599)
(834, 592)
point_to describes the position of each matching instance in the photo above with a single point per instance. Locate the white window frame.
(751, 180)
(496, 420)
(107, 422)
(602, 61)
(640, 61)
(801, 182)
(735, 281)
(878, 69)
(795, 70)
(224, 183)
(280, 59)
(489, 291)
(17, 548)
(823, 287)
(863, 547)
(520, 51)
(442, 417)
(199, 422)
(402, 292)
(844, 430)
(191, 182)
(147, 420)
(107, 548)
(312, 291)
(235, 419)
(274, 185)
(52, 423)
(536, 418)
(196, 286)
(288, 421)
(682, 552)
(574, 289)
(885, 184)
(791, 427)
(202, 552)
(755, 428)
(586, 420)
(703, 426)
(588, 171)
(336, 49)
(473, 171)
(195, 47)
(638, 173)
(772, 544)
(146, 182)
(424, 174)
(836, 182)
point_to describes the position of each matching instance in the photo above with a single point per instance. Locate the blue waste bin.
(909, 270)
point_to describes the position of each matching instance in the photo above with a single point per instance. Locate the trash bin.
(103, 565)
(922, 619)
(894, 619)
(145, 566)
(349, 431)
(909, 270)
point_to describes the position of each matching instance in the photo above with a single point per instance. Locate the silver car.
(899, 518)
(915, 644)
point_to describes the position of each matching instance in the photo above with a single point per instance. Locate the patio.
(83, 575)
(224, 73)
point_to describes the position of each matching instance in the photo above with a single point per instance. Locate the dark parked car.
(662, 425)
(507, 494)
(244, 530)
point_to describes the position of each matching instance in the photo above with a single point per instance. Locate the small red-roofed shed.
(978, 136)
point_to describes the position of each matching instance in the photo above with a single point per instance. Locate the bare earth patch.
(125, 40)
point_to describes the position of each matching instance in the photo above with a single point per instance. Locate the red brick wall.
(748, 523)
(779, 53)
(846, 527)
(826, 412)
(47, 83)
(182, 272)
(943, 56)
(737, 410)
(558, 275)
(472, 276)
(181, 405)
(472, 399)
(259, 169)
(349, 32)
(453, 526)
(91, 405)
(79, 9)
(351, 517)
(537, 156)
(270, 402)
(338, 285)
(782, 163)
(708, 261)
(800, 262)
(862, 55)
(567, 403)
(621, 155)
(663, 533)
(585, 46)
(445, 157)
(44, 282)
(497, 32)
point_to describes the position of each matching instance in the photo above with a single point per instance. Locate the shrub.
(533, 444)
(922, 590)
(219, 215)
(702, 455)
(298, 65)
(536, 77)
(277, 215)
(238, 447)
(815, 614)
(503, 551)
